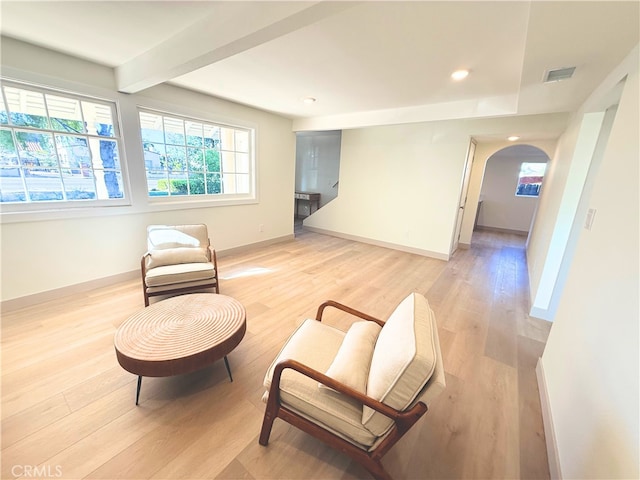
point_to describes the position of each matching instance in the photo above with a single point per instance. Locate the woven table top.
(180, 334)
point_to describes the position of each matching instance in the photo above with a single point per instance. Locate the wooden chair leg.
(270, 414)
(267, 424)
(377, 471)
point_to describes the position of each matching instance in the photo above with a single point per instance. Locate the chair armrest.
(402, 419)
(352, 311)
(143, 264)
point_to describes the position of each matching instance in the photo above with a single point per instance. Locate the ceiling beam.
(233, 28)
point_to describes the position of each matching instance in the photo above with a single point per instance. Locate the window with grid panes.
(59, 149)
(186, 157)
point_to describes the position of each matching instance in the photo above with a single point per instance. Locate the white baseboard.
(250, 246)
(34, 299)
(549, 432)
(393, 246)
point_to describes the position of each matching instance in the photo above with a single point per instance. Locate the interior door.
(463, 194)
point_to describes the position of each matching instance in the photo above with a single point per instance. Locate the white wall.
(400, 184)
(501, 208)
(52, 252)
(590, 365)
(318, 164)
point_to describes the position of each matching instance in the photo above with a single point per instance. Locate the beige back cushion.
(176, 244)
(351, 364)
(403, 360)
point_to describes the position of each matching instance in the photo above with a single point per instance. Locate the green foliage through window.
(189, 157)
(57, 147)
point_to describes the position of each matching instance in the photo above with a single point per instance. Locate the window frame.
(199, 199)
(51, 206)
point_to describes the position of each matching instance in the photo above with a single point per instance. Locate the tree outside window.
(189, 157)
(57, 148)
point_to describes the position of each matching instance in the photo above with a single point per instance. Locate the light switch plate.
(588, 222)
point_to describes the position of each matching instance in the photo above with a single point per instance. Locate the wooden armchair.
(362, 390)
(179, 259)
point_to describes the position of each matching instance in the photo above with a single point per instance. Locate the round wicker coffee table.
(180, 335)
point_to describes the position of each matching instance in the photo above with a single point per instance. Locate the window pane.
(178, 183)
(211, 136)
(43, 185)
(74, 153)
(78, 187)
(154, 156)
(196, 184)
(151, 128)
(26, 107)
(242, 183)
(98, 119)
(4, 118)
(214, 185)
(242, 162)
(228, 162)
(104, 154)
(8, 153)
(212, 157)
(11, 186)
(176, 159)
(195, 157)
(229, 183)
(36, 149)
(65, 114)
(109, 184)
(174, 131)
(242, 141)
(157, 183)
(227, 139)
(194, 134)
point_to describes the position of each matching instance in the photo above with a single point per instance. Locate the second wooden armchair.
(179, 259)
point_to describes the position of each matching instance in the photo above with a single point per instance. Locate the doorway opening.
(511, 183)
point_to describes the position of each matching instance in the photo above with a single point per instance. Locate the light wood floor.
(68, 407)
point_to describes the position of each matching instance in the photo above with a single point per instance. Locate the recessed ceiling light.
(513, 138)
(309, 100)
(460, 74)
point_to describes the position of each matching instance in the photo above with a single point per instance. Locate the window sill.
(152, 205)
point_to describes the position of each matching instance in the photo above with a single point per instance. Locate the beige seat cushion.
(404, 359)
(180, 273)
(315, 345)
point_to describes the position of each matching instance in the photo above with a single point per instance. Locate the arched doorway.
(510, 189)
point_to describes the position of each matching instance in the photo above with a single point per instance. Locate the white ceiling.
(365, 63)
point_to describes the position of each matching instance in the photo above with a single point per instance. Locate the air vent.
(559, 74)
